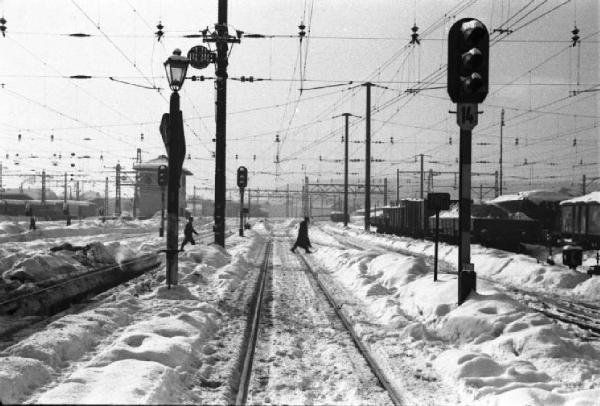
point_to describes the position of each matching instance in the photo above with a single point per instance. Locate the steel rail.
(14, 301)
(362, 348)
(246, 367)
(584, 319)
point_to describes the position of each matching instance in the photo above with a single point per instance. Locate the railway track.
(583, 315)
(57, 296)
(262, 324)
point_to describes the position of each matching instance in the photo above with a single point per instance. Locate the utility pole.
(194, 203)
(222, 39)
(117, 190)
(106, 196)
(501, 127)
(422, 176)
(287, 201)
(65, 189)
(136, 188)
(397, 186)
(368, 159)
(496, 184)
(43, 189)
(77, 198)
(583, 185)
(385, 191)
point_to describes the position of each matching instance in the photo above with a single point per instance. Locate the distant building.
(150, 192)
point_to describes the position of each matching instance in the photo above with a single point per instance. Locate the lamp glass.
(176, 69)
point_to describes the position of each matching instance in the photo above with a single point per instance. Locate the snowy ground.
(149, 344)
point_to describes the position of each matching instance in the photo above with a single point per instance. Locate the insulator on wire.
(277, 138)
(236, 157)
(414, 36)
(574, 142)
(517, 141)
(189, 156)
(142, 137)
(575, 37)
(51, 137)
(159, 34)
(301, 33)
(450, 140)
(342, 139)
(391, 140)
(19, 137)
(3, 26)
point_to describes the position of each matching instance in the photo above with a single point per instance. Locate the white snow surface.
(536, 196)
(593, 197)
(145, 344)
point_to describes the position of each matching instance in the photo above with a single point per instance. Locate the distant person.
(303, 240)
(29, 212)
(65, 210)
(188, 232)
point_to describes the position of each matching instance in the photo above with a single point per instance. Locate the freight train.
(48, 210)
(534, 217)
(580, 220)
(490, 225)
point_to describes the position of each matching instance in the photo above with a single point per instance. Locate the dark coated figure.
(303, 240)
(188, 233)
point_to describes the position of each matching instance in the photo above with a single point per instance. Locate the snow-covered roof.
(535, 196)
(592, 198)
(155, 163)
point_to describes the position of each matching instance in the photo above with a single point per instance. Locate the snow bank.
(122, 382)
(504, 267)
(593, 197)
(490, 346)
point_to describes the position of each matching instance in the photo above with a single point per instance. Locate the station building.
(150, 191)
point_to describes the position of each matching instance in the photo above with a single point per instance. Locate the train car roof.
(535, 196)
(590, 198)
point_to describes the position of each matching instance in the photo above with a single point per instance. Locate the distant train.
(536, 217)
(490, 225)
(337, 216)
(49, 210)
(580, 220)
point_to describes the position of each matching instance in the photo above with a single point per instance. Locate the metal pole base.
(467, 283)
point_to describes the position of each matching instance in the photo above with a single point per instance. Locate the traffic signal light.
(163, 175)
(468, 61)
(242, 177)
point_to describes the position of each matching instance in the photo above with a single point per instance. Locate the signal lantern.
(242, 177)
(163, 175)
(468, 61)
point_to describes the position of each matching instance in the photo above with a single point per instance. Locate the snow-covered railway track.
(22, 311)
(305, 349)
(580, 314)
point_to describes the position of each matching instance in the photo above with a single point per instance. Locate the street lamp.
(176, 68)
(172, 132)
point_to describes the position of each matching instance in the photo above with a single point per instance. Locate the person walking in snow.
(303, 240)
(188, 233)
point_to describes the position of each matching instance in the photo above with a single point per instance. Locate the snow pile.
(11, 227)
(489, 347)
(593, 197)
(504, 267)
(535, 196)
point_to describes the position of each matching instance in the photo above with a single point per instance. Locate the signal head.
(468, 61)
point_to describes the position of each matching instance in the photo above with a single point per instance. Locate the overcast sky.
(532, 72)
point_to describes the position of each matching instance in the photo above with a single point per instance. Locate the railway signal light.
(468, 61)
(242, 177)
(163, 175)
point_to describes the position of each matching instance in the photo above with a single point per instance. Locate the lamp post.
(173, 137)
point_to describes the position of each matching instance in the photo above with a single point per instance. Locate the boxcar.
(580, 219)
